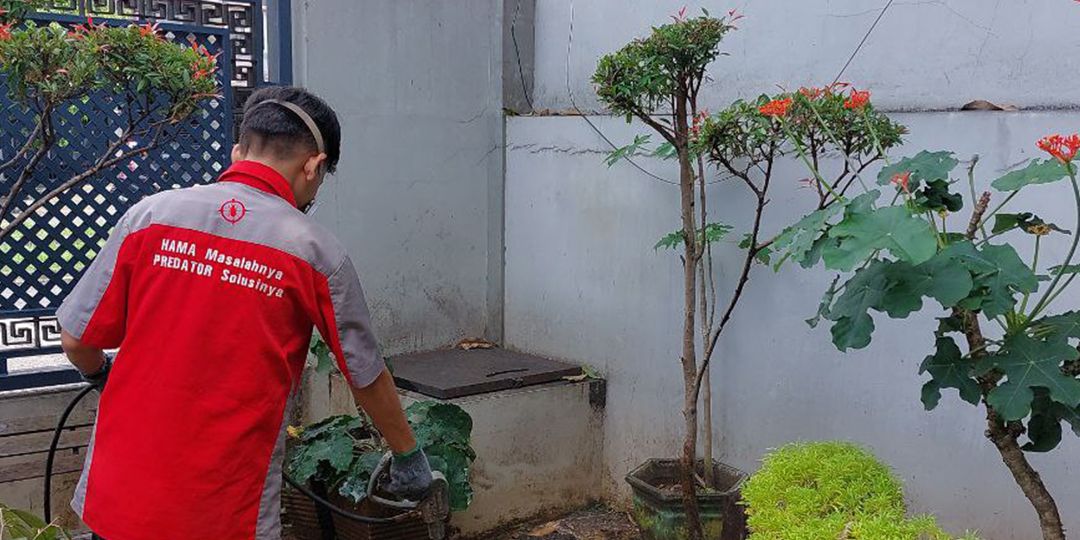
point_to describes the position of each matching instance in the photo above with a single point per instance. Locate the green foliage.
(51, 64)
(22, 525)
(443, 430)
(924, 167)
(640, 141)
(821, 121)
(813, 491)
(892, 228)
(739, 132)
(935, 197)
(948, 369)
(341, 452)
(1030, 363)
(1036, 172)
(1025, 221)
(644, 74)
(324, 359)
(713, 232)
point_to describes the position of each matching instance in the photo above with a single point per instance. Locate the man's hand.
(410, 476)
(101, 376)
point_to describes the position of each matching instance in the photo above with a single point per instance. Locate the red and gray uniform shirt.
(211, 293)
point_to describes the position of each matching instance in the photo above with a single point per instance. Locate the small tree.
(658, 81)
(159, 84)
(899, 250)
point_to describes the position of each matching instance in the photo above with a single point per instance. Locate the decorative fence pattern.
(42, 260)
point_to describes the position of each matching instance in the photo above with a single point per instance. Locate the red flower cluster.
(148, 30)
(901, 181)
(79, 31)
(5, 31)
(1062, 148)
(699, 120)
(776, 107)
(813, 92)
(734, 16)
(858, 99)
(205, 65)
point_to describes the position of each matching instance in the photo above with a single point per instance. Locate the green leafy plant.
(48, 69)
(657, 80)
(341, 452)
(830, 490)
(898, 251)
(22, 525)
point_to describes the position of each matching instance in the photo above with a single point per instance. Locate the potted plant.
(657, 80)
(336, 456)
(896, 252)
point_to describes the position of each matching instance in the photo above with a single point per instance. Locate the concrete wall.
(923, 54)
(417, 197)
(584, 283)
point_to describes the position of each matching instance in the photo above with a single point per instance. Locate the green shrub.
(830, 490)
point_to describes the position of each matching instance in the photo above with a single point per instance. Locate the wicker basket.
(301, 517)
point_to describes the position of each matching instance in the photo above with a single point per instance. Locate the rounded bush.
(830, 490)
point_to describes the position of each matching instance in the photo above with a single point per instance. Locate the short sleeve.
(96, 310)
(346, 327)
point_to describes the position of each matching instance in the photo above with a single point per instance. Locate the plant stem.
(971, 186)
(997, 208)
(805, 160)
(1072, 249)
(1034, 270)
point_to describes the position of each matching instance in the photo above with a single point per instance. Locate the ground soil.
(597, 523)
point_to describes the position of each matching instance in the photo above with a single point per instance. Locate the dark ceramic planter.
(659, 512)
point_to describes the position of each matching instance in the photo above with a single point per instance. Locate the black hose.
(302, 489)
(52, 449)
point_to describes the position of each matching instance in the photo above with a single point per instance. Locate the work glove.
(410, 475)
(101, 376)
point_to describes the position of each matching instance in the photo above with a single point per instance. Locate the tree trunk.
(1004, 436)
(689, 354)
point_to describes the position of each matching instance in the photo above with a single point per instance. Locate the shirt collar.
(259, 176)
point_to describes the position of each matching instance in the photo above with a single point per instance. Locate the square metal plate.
(456, 373)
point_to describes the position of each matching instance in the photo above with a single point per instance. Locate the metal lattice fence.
(42, 260)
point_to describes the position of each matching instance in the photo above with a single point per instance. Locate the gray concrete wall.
(583, 283)
(417, 197)
(923, 54)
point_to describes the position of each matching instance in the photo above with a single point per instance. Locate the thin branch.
(46, 144)
(25, 148)
(102, 164)
(977, 214)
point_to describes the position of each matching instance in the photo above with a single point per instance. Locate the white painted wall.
(924, 53)
(417, 196)
(584, 283)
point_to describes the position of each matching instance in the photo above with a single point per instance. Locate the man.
(211, 293)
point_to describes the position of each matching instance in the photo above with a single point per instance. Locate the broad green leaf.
(1063, 326)
(892, 228)
(939, 278)
(1029, 363)
(1036, 172)
(949, 325)
(796, 241)
(324, 361)
(861, 293)
(671, 240)
(335, 452)
(999, 274)
(824, 305)
(439, 423)
(948, 369)
(1044, 427)
(924, 167)
(935, 197)
(714, 232)
(355, 484)
(1025, 221)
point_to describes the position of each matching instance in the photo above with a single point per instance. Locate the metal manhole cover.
(455, 373)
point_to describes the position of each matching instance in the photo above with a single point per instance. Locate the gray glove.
(99, 378)
(410, 475)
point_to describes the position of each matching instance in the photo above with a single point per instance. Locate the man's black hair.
(275, 129)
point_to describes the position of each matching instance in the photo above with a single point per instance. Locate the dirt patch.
(598, 523)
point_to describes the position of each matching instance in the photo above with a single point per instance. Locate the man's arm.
(87, 359)
(380, 401)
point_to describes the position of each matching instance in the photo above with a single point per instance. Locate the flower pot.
(301, 517)
(658, 507)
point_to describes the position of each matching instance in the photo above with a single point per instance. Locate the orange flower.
(858, 99)
(812, 93)
(1062, 148)
(5, 31)
(148, 30)
(901, 181)
(776, 107)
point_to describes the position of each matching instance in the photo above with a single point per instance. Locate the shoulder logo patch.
(232, 211)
